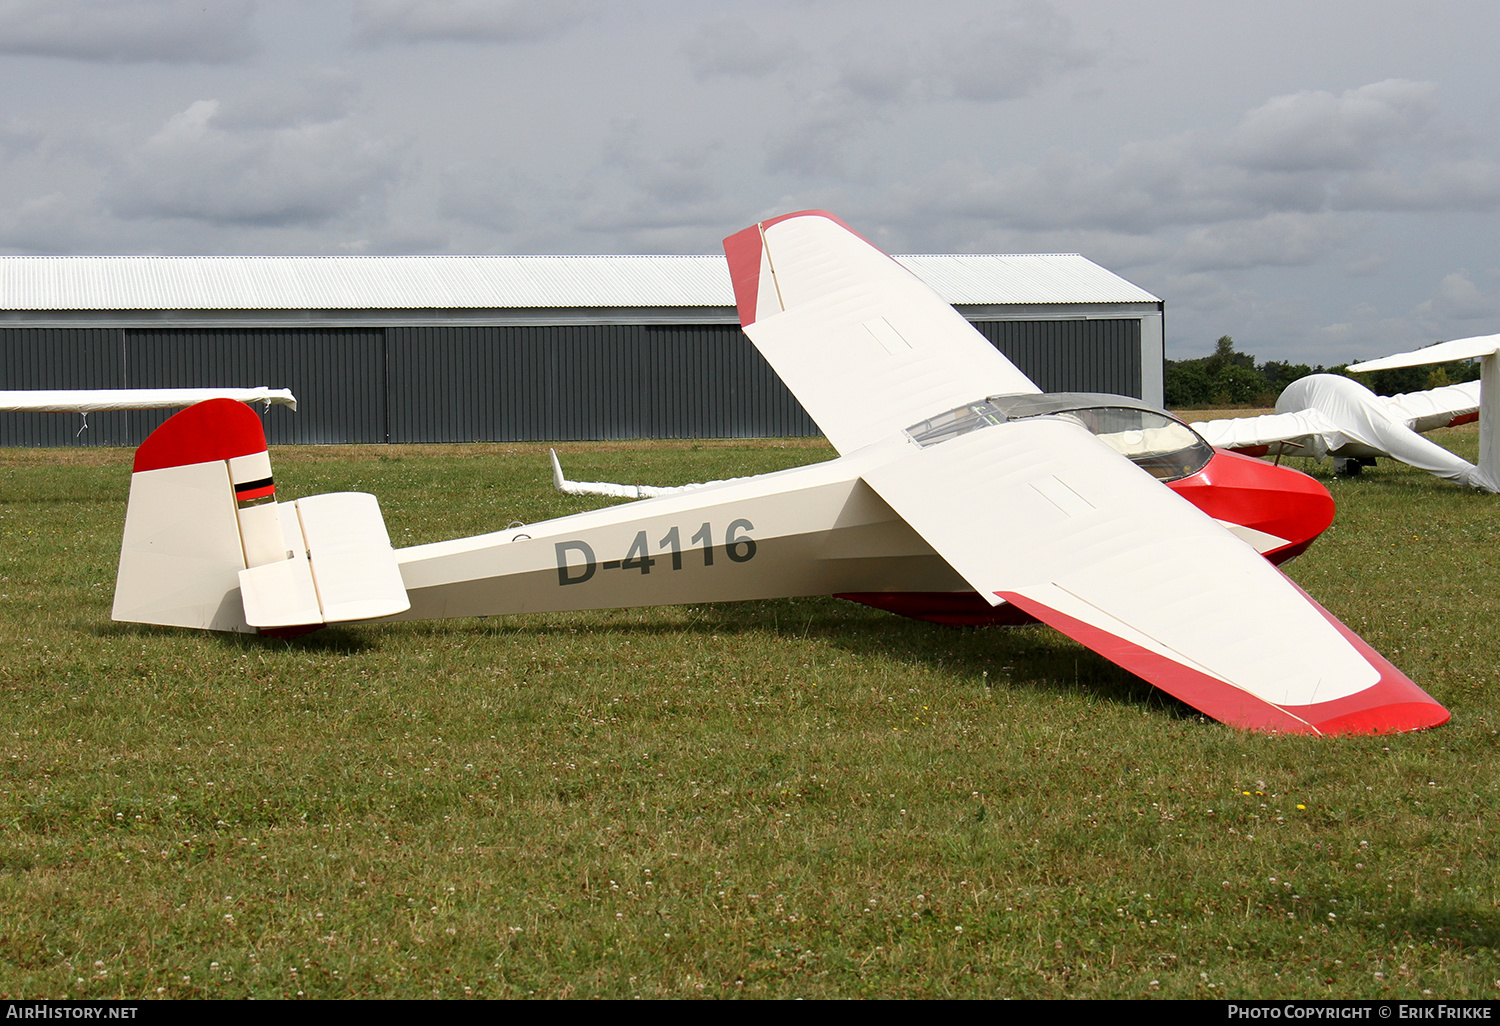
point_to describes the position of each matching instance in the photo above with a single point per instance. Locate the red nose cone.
(1277, 501)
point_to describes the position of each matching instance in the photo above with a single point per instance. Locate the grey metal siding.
(534, 383)
(490, 383)
(337, 375)
(1073, 355)
(64, 358)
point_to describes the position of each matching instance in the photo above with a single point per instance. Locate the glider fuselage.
(815, 530)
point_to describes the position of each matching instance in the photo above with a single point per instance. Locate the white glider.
(961, 494)
(1326, 415)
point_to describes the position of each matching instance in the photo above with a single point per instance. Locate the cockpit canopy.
(1149, 437)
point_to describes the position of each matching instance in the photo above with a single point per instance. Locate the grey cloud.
(1283, 239)
(816, 145)
(646, 191)
(311, 99)
(731, 47)
(882, 71)
(1317, 131)
(1139, 193)
(1019, 47)
(1463, 184)
(490, 21)
(169, 31)
(1458, 297)
(17, 136)
(1031, 45)
(54, 222)
(310, 174)
(1278, 189)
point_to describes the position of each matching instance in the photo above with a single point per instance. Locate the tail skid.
(207, 545)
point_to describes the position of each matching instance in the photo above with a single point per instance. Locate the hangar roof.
(269, 283)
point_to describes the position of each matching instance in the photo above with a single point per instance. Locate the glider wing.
(1302, 433)
(862, 343)
(101, 399)
(1040, 514)
(1447, 406)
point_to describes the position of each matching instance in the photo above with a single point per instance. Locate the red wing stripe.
(1206, 694)
(1393, 703)
(743, 251)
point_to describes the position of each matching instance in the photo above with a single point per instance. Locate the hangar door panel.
(337, 375)
(1075, 355)
(48, 358)
(576, 382)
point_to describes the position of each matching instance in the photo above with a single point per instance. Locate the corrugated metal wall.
(63, 358)
(338, 375)
(1073, 356)
(500, 383)
(599, 381)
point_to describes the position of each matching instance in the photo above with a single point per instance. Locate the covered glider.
(1326, 415)
(962, 494)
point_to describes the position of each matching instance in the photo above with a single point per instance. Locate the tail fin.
(207, 545)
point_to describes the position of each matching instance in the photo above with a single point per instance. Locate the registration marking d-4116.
(738, 546)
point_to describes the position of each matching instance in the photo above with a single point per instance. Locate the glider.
(1330, 415)
(961, 494)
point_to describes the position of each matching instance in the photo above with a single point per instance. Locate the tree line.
(1231, 378)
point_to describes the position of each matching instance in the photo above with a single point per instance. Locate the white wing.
(1442, 352)
(862, 343)
(1304, 433)
(1040, 514)
(100, 399)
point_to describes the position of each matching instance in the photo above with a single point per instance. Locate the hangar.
(500, 348)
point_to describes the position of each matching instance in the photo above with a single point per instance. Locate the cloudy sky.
(1320, 180)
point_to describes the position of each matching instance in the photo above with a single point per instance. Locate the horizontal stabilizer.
(342, 567)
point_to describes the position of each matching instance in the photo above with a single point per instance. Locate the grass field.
(801, 798)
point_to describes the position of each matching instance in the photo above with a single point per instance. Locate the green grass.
(802, 798)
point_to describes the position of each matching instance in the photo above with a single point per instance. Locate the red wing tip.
(1395, 718)
(743, 249)
(742, 252)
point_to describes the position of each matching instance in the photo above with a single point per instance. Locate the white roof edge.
(457, 282)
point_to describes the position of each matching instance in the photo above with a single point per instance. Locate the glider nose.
(1285, 505)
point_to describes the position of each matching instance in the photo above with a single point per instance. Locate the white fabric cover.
(1324, 413)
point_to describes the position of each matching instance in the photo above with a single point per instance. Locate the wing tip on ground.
(1393, 704)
